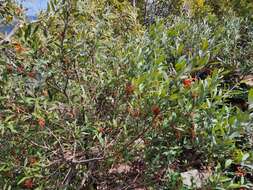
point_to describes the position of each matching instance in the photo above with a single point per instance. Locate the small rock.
(195, 178)
(121, 168)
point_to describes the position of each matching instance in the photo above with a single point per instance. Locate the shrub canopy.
(94, 98)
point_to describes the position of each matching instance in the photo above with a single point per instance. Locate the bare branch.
(87, 160)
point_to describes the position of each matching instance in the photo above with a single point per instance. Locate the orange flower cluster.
(19, 11)
(32, 160)
(193, 132)
(18, 47)
(129, 89)
(9, 68)
(155, 110)
(20, 69)
(188, 82)
(42, 122)
(240, 172)
(157, 119)
(135, 113)
(28, 184)
(177, 132)
(31, 74)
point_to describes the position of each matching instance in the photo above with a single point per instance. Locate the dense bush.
(87, 90)
(177, 82)
(193, 8)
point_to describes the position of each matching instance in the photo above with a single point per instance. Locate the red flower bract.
(31, 74)
(41, 122)
(18, 47)
(155, 110)
(32, 160)
(129, 89)
(28, 184)
(240, 172)
(187, 83)
(9, 68)
(20, 69)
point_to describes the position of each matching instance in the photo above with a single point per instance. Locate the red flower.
(193, 132)
(41, 122)
(155, 110)
(134, 112)
(32, 160)
(9, 68)
(240, 172)
(187, 83)
(129, 89)
(20, 69)
(19, 11)
(18, 47)
(28, 184)
(177, 132)
(31, 74)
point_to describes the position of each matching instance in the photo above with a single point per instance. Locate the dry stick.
(102, 158)
(87, 160)
(34, 143)
(131, 142)
(66, 178)
(131, 185)
(116, 153)
(74, 161)
(59, 142)
(56, 87)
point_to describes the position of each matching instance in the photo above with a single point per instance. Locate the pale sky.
(33, 6)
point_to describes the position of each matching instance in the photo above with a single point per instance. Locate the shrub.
(86, 90)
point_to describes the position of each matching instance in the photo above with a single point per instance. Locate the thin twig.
(87, 160)
(66, 178)
(34, 143)
(59, 142)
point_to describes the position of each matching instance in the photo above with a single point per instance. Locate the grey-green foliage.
(108, 92)
(177, 47)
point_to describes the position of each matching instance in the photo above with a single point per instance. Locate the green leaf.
(205, 44)
(204, 60)
(245, 157)
(228, 163)
(250, 96)
(28, 31)
(180, 49)
(181, 64)
(11, 128)
(23, 179)
(234, 186)
(224, 179)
